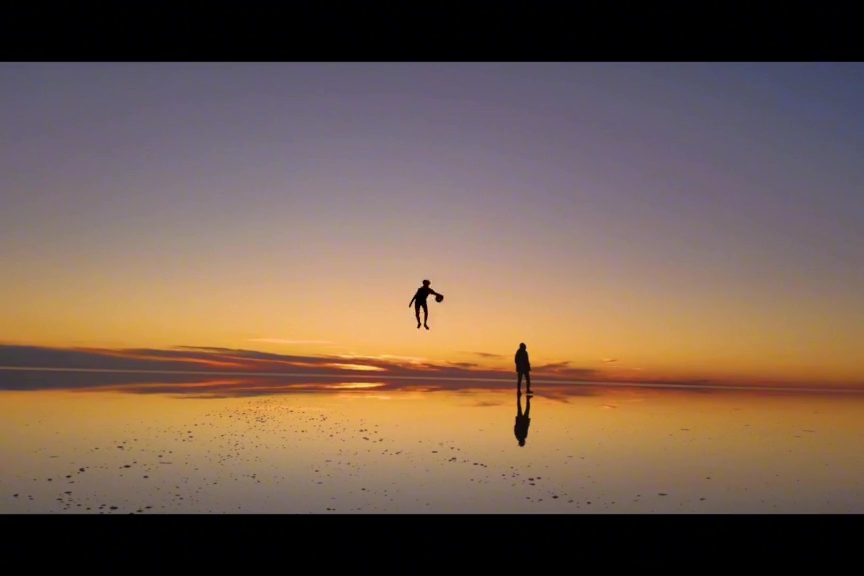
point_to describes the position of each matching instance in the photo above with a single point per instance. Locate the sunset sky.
(635, 221)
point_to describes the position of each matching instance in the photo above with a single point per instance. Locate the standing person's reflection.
(522, 420)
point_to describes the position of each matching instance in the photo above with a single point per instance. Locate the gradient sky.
(687, 220)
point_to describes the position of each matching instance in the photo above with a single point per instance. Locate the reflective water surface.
(354, 449)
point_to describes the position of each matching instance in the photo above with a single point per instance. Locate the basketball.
(439, 298)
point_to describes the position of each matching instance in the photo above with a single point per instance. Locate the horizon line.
(597, 383)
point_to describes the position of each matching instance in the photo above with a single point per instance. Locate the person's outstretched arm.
(412, 301)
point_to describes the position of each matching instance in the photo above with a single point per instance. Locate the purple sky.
(706, 190)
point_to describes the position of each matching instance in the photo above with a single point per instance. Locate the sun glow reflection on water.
(356, 449)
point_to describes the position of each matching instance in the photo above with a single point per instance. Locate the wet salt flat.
(358, 451)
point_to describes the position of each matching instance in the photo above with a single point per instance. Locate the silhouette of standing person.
(419, 301)
(523, 368)
(520, 429)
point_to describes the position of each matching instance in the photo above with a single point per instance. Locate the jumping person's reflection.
(522, 420)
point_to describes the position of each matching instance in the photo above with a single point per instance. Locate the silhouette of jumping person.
(523, 368)
(520, 429)
(419, 301)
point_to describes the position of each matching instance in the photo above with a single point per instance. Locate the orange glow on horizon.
(360, 367)
(242, 362)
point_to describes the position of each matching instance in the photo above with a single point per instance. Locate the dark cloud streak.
(227, 361)
(186, 370)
